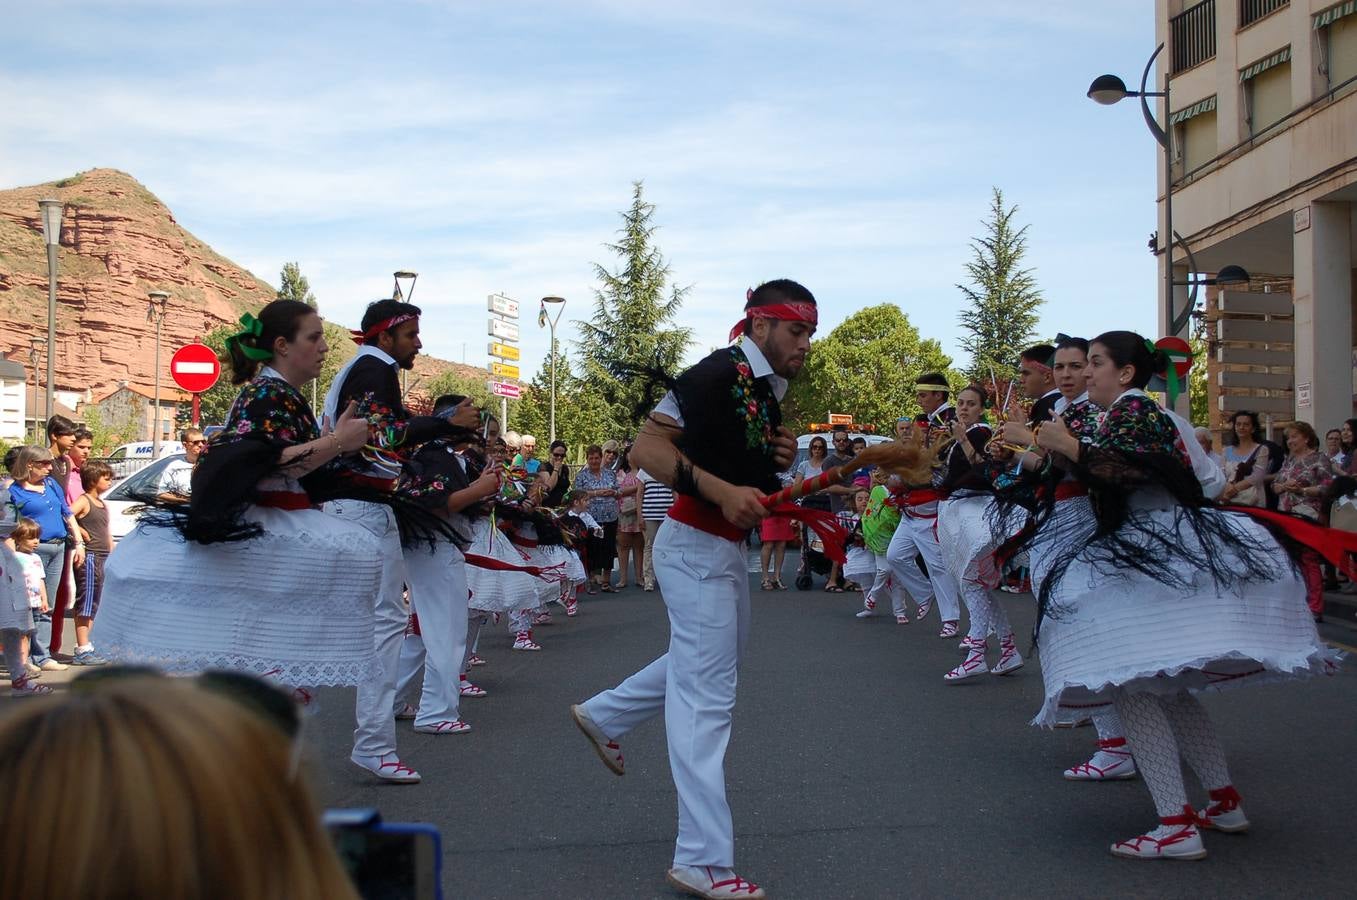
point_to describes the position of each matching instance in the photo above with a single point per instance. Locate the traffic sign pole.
(503, 327)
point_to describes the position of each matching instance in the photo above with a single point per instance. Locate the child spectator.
(878, 526)
(27, 579)
(860, 566)
(92, 517)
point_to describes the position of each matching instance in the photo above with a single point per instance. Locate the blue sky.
(490, 146)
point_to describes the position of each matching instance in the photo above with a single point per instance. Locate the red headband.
(361, 337)
(786, 312)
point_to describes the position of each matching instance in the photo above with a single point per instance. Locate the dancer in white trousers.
(718, 439)
(390, 341)
(436, 477)
(917, 534)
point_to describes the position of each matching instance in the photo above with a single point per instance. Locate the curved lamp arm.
(1159, 134)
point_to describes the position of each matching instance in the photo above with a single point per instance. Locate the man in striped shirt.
(656, 499)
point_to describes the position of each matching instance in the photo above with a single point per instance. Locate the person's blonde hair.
(25, 458)
(158, 787)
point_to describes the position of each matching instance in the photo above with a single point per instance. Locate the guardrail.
(1193, 35)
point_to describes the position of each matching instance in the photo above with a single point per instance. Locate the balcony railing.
(1193, 35)
(1251, 11)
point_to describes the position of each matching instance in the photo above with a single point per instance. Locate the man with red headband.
(717, 439)
(1038, 382)
(389, 341)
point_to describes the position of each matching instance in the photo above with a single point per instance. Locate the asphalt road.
(853, 771)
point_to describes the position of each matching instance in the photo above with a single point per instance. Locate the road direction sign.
(504, 389)
(503, 370)
(507, 331)
(195, 368)
(497, 303)
(504, 351)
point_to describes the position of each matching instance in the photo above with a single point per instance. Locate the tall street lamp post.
(34, 354)
(404, 294)
(155, 312)
(543, 321)
(52, 211)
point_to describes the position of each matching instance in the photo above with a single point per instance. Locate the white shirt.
(1064, 403)
(177, 478)
(758, 364)
(331, 409)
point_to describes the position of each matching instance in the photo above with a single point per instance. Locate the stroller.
(813, 559)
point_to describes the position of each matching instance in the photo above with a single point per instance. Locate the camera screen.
(390, 862)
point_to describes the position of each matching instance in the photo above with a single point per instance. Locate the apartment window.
(1192, 35)
(1337, 32)
(1267, 91)
(1251, 11)
(1194, 136)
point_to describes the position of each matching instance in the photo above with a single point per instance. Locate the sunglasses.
(197, 442)
(43, 463)
(558, 456)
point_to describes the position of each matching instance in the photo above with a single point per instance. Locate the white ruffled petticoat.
(295, 603)
(496, 591)
(967, 537)
(1108, 629)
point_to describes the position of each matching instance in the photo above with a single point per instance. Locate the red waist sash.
(704, 516)
(283, 500)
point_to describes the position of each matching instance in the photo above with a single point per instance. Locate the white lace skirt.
(1108, 629)
(496, 591)
(860, 565)
(295, 602)
(968, 540)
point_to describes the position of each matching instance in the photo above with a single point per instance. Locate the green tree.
(867, 366)
(583, 417)
(451, 382)
(633, 324)
(1003, 297)
(1197, 384)
(294, 286)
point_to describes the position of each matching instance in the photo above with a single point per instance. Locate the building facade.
(1263, 117)
(129, 412)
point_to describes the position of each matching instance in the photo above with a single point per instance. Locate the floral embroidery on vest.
(751, 404)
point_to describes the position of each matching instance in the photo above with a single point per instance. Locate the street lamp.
(35, 346)
(1109, 89)
(155, 312)
(52, 211)
(544, 320)
(404, 295)
(403, 275)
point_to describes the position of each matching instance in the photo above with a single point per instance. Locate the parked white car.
(121, 498)
(131, 458)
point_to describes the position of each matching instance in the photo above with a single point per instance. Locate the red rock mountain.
(119, 241)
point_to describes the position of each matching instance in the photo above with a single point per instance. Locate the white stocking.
(1155, 750)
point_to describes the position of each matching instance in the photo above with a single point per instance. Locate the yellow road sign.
(503, 351)
(503, 370)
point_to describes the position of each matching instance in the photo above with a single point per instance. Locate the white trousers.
(915, 536)
(705, 585)
(375, 734)
(438, 594)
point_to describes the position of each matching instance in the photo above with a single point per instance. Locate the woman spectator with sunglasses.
(555, 497)
(37, 495)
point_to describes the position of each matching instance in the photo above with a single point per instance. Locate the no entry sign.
(194, 367)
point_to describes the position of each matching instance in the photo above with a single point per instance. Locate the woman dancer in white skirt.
(967, 538)
(255, 577)
(1111, 761)
(1156, 594)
